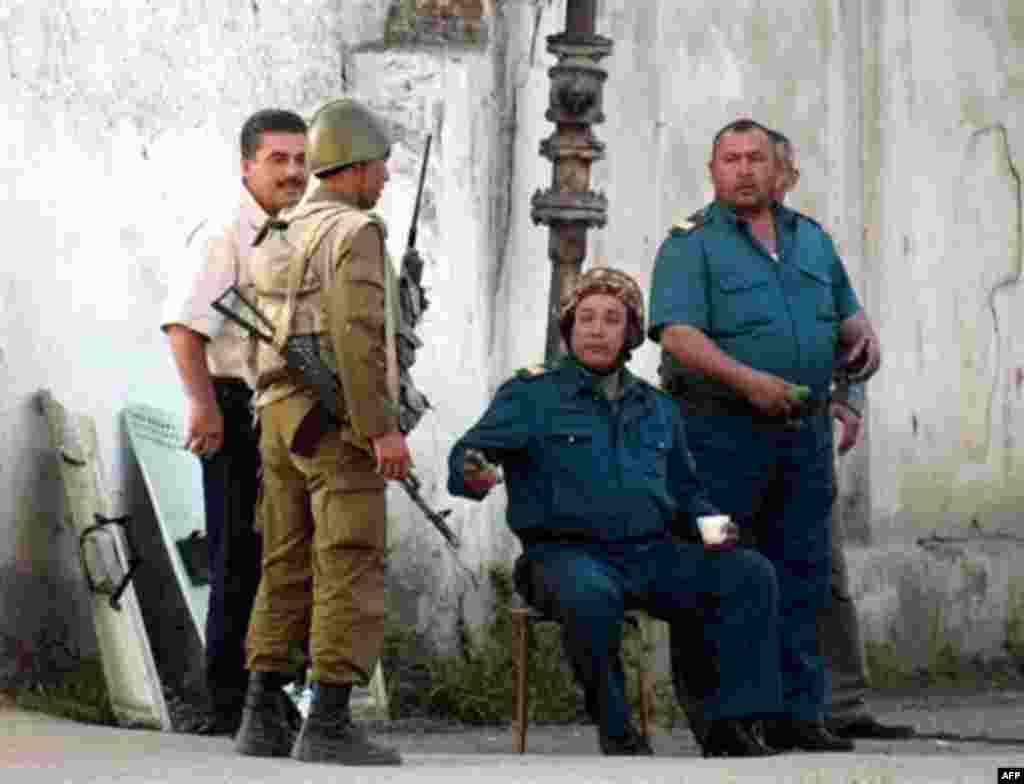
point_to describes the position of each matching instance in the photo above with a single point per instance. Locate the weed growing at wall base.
(79, 694)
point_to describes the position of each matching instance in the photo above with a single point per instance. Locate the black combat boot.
(632, 744)
(265, 731)
(791, 734)
(733, 738)
(329, 735)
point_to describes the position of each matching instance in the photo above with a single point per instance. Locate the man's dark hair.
(268, 121)
(743, 125)
(778, 137)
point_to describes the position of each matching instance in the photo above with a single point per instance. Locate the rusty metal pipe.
(568, 207)
(580, 18)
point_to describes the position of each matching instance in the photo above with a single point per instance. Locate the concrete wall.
(120, 126)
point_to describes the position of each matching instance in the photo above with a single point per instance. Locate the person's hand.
(204, 428)
(771, 395)
(849, 426)
(392, 455)
(479, 475)
(862, 359)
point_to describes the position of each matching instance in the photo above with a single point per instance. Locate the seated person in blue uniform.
(598, 472)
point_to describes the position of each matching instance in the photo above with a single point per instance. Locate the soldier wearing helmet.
(599, 477)
(322, 275)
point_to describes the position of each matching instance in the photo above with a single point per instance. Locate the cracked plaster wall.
(120, 132)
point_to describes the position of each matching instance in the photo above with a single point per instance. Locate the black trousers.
(230, 485)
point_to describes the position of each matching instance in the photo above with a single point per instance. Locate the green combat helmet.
(344, 132)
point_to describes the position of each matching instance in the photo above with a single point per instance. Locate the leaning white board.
(174, 479)
(133, 683)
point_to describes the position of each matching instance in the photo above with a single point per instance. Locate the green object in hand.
(799, 392)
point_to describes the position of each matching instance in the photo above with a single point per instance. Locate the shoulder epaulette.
(809, 219)
(684, 224)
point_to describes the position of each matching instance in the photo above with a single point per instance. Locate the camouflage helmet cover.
(344, 132)
(615, 283)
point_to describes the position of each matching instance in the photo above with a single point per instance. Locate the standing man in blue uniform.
(212, 358)
(847, 713)
(752, 306)
(598, 473)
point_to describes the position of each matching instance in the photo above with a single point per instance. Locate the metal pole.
(568, 208)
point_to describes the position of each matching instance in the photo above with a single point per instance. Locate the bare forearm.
(189, 351)
(695, 351)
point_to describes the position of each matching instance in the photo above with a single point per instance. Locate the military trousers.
(230, 481)
(324, 525)
(778, 484)
(841, 643)
(588, 587)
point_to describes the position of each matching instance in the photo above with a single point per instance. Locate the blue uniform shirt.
(780, 317)
(578, 466)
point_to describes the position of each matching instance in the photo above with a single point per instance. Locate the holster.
(313, 427)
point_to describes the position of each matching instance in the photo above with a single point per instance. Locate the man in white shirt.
(214, 364)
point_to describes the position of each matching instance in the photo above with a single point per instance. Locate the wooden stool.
(523, 619)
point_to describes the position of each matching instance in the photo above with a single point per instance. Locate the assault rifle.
(300, 354)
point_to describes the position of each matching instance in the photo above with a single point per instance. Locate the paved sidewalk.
(976, 734)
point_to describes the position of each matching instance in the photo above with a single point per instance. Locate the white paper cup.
(712, 528)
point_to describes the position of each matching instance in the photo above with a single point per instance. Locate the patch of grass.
(1014, 644)
(887, 671)
(79, 694)
(948, 670)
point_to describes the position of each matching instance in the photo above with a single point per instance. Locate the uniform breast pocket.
(817, 287)
(743, 303)
(651, 452)
(571, 450)
(574, 472)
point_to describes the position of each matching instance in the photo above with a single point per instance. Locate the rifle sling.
(296, 274)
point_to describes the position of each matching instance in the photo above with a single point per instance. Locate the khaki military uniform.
(323, 516)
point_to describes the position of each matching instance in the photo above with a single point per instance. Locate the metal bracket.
(115, 591)
(196, 557)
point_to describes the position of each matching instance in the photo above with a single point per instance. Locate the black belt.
(229, 382)
(724, 407)
(232, 393)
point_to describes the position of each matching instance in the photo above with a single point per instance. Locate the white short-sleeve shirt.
(217, 257)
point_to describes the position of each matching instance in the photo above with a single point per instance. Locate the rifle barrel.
(419, 193)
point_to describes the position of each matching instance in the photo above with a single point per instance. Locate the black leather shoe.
(633, 744)
(869, 727)
(732, 738)
(803, 735)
